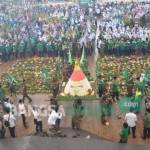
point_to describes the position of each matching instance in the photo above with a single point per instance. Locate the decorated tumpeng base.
(78, 84)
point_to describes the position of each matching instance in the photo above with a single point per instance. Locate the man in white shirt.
(10, 118)
(35, 116)
(131, 120)
(54, 119)
(22, 112)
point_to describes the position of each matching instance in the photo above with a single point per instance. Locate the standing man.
(39, 120)
(130, 87)
(124, 133)
(10, 122)
(25, 94)
(54, 119)
(35, 116)
(2, 94)
(115, 89)
(101, 86)
(55, 88)
(146, 129)
(2, 129)
(78, 114)
(22, 112)
(131, 120)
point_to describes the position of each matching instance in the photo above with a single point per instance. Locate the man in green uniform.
(115, 89)
(146, 130)
(8, 49)
(124, 133)
(101, 86)
(49, 49)
(15, 50)
(2, 94)
(40, 48)
(25, 94)
(21, 49)
(78, 113)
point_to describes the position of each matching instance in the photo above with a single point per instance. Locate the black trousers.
(57, 124)
(115, 95)
(38, 126)
(12, 132)
(100, 93)
(146, 133)
(133, 131)
(24, 120)
(2, 132)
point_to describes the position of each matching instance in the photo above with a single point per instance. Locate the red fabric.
(77, 75)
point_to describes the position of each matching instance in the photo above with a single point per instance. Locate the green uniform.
(2, 94)
(21, 47)
(124, 135)
(115, 90)
(78, 110)
(28, 47)
(49, 48)
(138, 86)
(147, 121)
(40, 47)
(115, 86)
(101, 87)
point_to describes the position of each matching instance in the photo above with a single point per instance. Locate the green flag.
(69, 57)
(82, 57)
(45, 74)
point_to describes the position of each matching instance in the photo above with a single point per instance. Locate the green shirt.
(138, 85)
(124, 134)
(2, 94)
(78, 110)
(8, 48)
(115, 86)
(49, 47)
(21, 46)
(40, 47)
(147, 121)
(101, 85)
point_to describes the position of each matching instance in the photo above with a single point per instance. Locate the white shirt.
(53, 117)
(39, 116)
(22, 109)
(11, 118)
(35, 114)
(131, 119)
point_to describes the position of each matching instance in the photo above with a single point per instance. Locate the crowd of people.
(42, 30)
(11, 112)
(136, 92)
(124, 28)
(52, 30)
